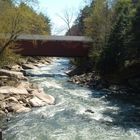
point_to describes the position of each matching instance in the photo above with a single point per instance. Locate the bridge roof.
(55, 38)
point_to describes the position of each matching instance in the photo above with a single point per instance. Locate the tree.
(114, 54)
(16, 20)
(98, 26)
(133, 49)
(68, 18)
(80, 21)
(9, 24)
(33, 22)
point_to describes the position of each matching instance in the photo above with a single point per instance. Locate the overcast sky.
(56, 8)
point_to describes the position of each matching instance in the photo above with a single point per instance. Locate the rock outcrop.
(44, 97)
(17, 108)
(12, 74)
(28, 66)
(36, 102)
(12, 90)
(16, 93)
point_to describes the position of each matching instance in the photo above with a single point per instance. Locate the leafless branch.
(67, 18)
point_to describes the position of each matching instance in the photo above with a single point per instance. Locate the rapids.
(71, 117)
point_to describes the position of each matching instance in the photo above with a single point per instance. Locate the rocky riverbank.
(87, 79)
(92, 79)
(17, 94)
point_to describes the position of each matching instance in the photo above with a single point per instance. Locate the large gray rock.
(44, 97)
(14, 74)
(12, 90)
(36, 102)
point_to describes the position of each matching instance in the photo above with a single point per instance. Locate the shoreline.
(91, 79)
(17, 94)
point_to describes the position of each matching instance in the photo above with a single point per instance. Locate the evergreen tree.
(113, 56)
(133, 50)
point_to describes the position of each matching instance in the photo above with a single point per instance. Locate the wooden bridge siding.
(53, 48)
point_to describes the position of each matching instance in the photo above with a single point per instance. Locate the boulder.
(48, 61)
(43, 61)
(2, 113)
(23, 100)
(30, 90)
(36, 102)
(2, 97)
(44, 97)
(12, 99)
(14, 74)
(114, 88)
(28, 66)
(24, 84)
(89, 111)
(3, 105)
(32, 60)
(4, 77)
(17, 96)
(17, 68)
(39, 65)
(17, 108)
(13, 90)
(23, 109)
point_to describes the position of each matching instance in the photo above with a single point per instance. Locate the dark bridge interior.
(53, 46)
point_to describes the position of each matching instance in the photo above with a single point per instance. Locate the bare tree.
(68, 18)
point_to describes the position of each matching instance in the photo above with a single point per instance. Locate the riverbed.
(79, 113)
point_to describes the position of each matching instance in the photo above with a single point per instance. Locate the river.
(70, 118)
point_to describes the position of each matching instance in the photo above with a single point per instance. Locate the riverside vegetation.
(114, 27)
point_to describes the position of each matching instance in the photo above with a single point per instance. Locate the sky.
(55, 9)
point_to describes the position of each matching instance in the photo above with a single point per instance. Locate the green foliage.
(80, 21)
(7, 57)
(114, 54)
(95, 20)
(133, 49)
(98, 26)
(32, 22)
(19, 18)
(114, 26)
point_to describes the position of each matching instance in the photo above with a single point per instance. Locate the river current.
(72, 117)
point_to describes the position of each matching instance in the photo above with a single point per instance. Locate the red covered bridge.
(54, 46)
